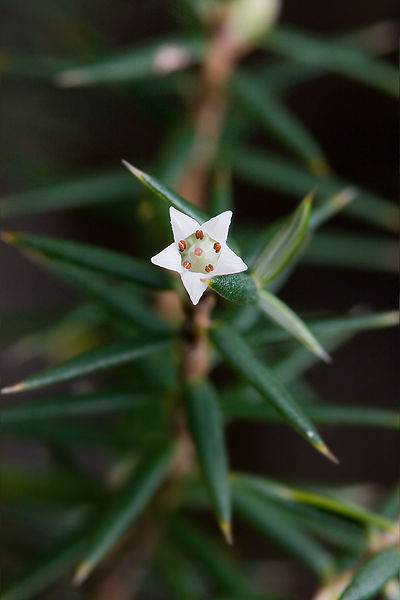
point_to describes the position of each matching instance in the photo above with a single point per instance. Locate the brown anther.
(217, 246)
(182, 245)
(209, 268)
(199, 234)
(187, 264)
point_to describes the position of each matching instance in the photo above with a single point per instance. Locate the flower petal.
(218, 226)
(169, 258)
(195, 287)
(229, 262)
(182, 225)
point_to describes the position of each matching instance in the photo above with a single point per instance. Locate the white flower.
(198, 250)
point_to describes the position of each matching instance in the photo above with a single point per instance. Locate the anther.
(209, 268)
(182, 245)
(187, 264)
(199, 234)
(217, 246)
(198, 251)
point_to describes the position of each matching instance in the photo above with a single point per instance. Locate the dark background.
(45, 129)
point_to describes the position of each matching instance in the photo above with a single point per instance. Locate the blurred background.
(50, 131)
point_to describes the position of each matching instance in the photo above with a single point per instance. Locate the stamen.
(187, 264)
(209, 268)
(199, 234)
(198, 251)
(217, 246)
(182, 245)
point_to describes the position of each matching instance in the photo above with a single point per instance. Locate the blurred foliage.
(158, 426)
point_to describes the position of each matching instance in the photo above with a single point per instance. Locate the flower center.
(199, 252)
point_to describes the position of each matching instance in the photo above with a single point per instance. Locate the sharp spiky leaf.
(284, 244)
(336, 57)
(98, 359)
(270, 521)
(102, 260)
(373, 575)
(284, 316)
(83, 191)
(207, 430)
(167, 194)
(267, 488)
(129, 502)
(238, 354)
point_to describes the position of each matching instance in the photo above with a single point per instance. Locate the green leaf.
(270, 112)
(238, 354)
(176, 574)
(329, 326)
(239, 288)
(130, 501)
(123, 301)
(284, 316)
(268, 488)
(154, 59)
(373, 575)
(45, 571)
(282, 530)
(269, 170)
(167, 194)
(284, 244)
(69, 433)
(67, 405)
(207, 431)
(222, 195)
(245, 404)
(332, 56)
(51, 487)
(110, 185)
(218, 564)
(353, 251)
(98, 359)
(101, 260)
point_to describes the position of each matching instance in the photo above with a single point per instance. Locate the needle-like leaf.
(284, 316)
(218, 564)
(270, 112)
(269, 520)
(128, 504)
(111, 355)
(167, 194)
(284, 244)
(336, 57)
(238, 354)
(274, 172)
(373, 575)
(207, 430)
(267, 488)
(45, 571)
(99, 259)
(83, 191)
(67, 405)
(153, 59)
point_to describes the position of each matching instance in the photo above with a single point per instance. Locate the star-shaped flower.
(199, 251)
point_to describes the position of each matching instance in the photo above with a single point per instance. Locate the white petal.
(218, 226)
(182, 225)
(229, 262)
(193, 284)
(169, 258)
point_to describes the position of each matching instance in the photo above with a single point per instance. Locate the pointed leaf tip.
(8, 237)
(81, 573)
(13, 389)
(226, 529)
(136, 172)
(323, 448)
